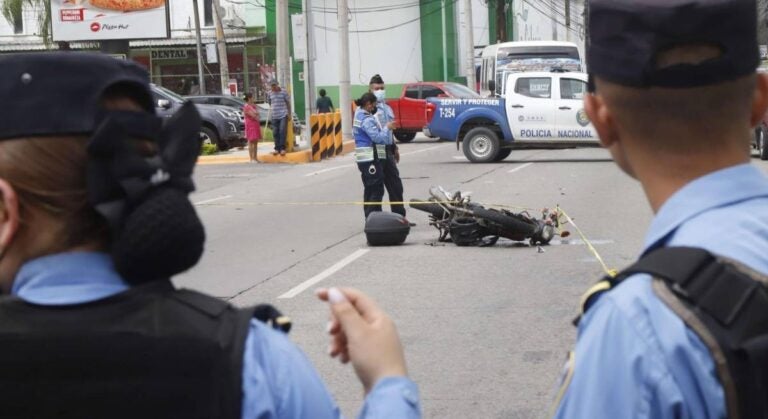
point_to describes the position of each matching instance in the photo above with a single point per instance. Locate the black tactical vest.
(726, 304)
(149, 352)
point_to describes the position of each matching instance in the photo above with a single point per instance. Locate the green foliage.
(266, 135)
(209, 149)
(11, 9)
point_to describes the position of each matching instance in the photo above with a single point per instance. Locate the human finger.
(364, 305)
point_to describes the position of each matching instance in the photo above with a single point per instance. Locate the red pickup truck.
(411, 107)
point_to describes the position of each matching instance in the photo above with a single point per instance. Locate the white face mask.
(380, 95)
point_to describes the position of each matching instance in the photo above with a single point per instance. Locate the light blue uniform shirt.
(634, 357)
(278, 380)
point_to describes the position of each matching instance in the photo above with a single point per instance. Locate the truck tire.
(405, 137)
(503, 154)
(508, 223)
(209, 136)
(481, 145)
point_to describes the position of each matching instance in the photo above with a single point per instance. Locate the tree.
(12, 10)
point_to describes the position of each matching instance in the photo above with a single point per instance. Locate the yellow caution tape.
(610, 272)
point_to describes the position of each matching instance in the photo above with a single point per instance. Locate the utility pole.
(445, 42)
(309, 68)
(554, 19)
(568, 20)
(221, 44)
(345, 102)
(469, 66)
(201, 79)
(283, 66)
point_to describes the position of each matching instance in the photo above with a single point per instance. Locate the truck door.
(530, 108)
(411, 112)
(426, 93)
(572, 121)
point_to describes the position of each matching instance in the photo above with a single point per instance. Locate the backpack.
(726, 304)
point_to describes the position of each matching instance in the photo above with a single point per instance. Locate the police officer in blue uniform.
(372, 136)
(675, 97)
(392, 182)
(94, 220)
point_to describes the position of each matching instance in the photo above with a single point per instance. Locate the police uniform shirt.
(634, 357)
(278, 379)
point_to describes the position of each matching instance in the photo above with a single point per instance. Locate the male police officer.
(392, 181)
(371, 139)
(675, 97)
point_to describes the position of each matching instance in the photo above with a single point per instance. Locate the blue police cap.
(626, 37)
(46, 94)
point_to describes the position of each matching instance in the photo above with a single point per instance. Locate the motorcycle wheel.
(512, 226)
(543, 235)
(433, 209)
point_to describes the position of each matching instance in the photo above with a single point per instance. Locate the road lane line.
(330, 169)
(420, 151)
(208, 201)
(324, 274)
(519, 168)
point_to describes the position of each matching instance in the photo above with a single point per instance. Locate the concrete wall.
(382, 39)
(544, 20)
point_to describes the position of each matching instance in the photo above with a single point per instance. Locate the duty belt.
(365, 154)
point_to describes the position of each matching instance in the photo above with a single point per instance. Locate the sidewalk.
(303, 155)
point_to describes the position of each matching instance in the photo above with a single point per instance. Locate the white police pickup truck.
(538, 110)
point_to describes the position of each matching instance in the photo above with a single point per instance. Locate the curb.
(297, 157)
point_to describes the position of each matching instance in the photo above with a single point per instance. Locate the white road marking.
(579, 242)
(420, 151)
(460, 158)
(330, 169)
(519, 168)
(324, 274)
(208, 201)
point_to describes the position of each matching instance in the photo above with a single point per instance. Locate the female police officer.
(94, 220)
(371, 139)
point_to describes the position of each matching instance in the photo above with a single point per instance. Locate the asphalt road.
(486, 330)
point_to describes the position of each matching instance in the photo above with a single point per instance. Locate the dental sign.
(101, 20)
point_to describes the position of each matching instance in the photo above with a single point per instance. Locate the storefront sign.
(100, 20)
(170, 54)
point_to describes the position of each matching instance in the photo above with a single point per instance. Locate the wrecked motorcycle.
(468, 223)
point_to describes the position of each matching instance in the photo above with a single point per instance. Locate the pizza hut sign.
(98, 20)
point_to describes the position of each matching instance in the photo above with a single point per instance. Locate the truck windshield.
(460, 91)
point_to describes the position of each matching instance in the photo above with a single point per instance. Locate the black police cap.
(46, 94)
(627, 36)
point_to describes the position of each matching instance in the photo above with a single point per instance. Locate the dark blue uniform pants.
(373, 185)
(392, 181)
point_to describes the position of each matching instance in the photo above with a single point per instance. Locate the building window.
(208, 12)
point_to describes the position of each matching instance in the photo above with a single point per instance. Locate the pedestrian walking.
(252, 127)
(323, 103)
(371, 138)
(95, 219)
(280, 104)
(385, 115)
